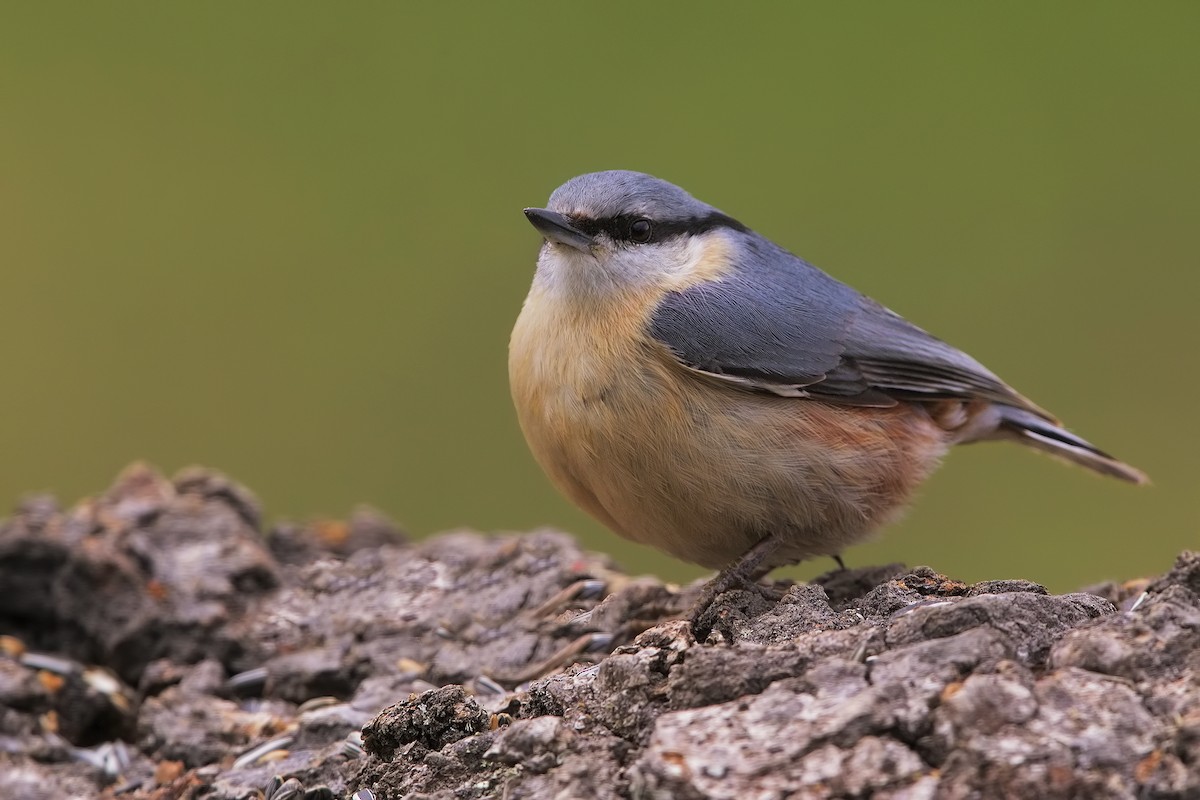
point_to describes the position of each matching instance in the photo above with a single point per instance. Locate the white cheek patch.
(701, 259)
(675, 264)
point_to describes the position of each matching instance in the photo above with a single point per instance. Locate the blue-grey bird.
(696, 387)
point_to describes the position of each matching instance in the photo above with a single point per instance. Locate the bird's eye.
(640, 231)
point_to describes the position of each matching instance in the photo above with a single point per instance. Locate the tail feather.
(1049, 437)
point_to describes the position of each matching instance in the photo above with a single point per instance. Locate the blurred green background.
(285, 240)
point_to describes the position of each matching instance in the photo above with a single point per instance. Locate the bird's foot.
(741, 573)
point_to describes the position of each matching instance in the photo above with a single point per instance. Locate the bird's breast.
(586, 381)
(571, 365)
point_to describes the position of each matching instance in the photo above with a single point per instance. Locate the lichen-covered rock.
(523, 667)
(150, 569)
(433, 719)
(782, 741)
(535, 744)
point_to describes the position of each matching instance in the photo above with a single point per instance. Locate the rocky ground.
(158, 645)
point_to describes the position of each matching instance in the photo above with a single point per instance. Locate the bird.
(698, 388)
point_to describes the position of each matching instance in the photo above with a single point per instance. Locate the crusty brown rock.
(206, 659)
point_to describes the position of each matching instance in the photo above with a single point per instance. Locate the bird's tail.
(1050, 437)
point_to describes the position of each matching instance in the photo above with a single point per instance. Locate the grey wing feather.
(739, 327)
(782, 325)
(892, 353)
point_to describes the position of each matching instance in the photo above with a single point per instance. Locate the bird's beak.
(557, 228)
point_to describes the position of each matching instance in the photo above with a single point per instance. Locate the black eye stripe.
(618, 227)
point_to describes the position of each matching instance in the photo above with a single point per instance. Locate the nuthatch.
(698, 388)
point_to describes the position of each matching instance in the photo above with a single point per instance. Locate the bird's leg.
(838, 558)
(741, 572)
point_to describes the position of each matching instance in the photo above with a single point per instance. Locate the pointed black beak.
(557, 228)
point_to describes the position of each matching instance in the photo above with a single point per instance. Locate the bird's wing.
(782, 325)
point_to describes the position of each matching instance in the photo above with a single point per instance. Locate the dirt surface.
(157, 644)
